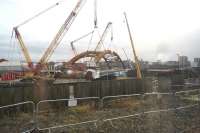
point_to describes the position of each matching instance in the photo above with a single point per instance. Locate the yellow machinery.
(29, 73)
(23, 48)
(137, 64)
(18, 36)
(59, 36)
(55, 42)
(100, 43)
(72, 42)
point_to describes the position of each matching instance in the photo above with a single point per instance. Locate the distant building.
(183, 62)
(172, 64)
(164, 65)
(196, 62)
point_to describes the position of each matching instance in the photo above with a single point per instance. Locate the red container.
(8, 76)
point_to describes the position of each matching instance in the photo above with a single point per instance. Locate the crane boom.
(38, 14)
(99, 44)
(72, 42)
(20, 39)
(139, 75)
(62, 31)
(23, 47)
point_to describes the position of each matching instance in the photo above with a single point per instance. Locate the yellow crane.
(20, 39)
(137, 64)
(59, 36)
(23, 48)
(72, 42)
(100, 43)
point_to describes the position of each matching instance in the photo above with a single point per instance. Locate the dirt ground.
(180, 120)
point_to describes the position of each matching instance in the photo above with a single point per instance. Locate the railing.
(33, 118)
(61, 126)
(36, 109)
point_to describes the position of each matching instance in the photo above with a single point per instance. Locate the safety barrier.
(59, 100)
(33, 118)
(36, 109)
(146, 94)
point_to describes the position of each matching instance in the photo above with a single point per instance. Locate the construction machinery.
(21, 42)
(72, 42)
(100, 43)
(59, 36)
(137, 64)
(23, 47)
(54, 43)
(95, 14)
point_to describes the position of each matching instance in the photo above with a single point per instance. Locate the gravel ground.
(174, 121)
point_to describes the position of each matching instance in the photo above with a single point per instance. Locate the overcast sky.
(160, 28)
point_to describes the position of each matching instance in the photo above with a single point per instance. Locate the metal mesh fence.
(168, 112)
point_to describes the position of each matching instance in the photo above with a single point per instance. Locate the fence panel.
(17, 117)
(53, 114)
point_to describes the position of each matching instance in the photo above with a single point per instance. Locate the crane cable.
(26, 21)
(95, 14)
(78, 39)
(38, 14)
(90, 41)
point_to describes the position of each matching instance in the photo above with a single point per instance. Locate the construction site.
(96, 91)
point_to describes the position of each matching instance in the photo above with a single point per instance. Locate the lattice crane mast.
(59, 36)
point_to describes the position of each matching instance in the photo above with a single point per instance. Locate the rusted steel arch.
(98, 55)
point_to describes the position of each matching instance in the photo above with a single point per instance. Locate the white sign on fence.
(72, 102)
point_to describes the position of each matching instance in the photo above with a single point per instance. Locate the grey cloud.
(190, 44)
(163, 48)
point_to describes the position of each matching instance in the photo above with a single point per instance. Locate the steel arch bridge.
(107, 55)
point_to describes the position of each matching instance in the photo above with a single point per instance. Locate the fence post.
(73, 101)
(143, 114)
(199, 111)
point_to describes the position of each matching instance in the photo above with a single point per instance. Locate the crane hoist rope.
(38, 14)
(102, 38)
(20, 39)
(95, 14)
(128, 60)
